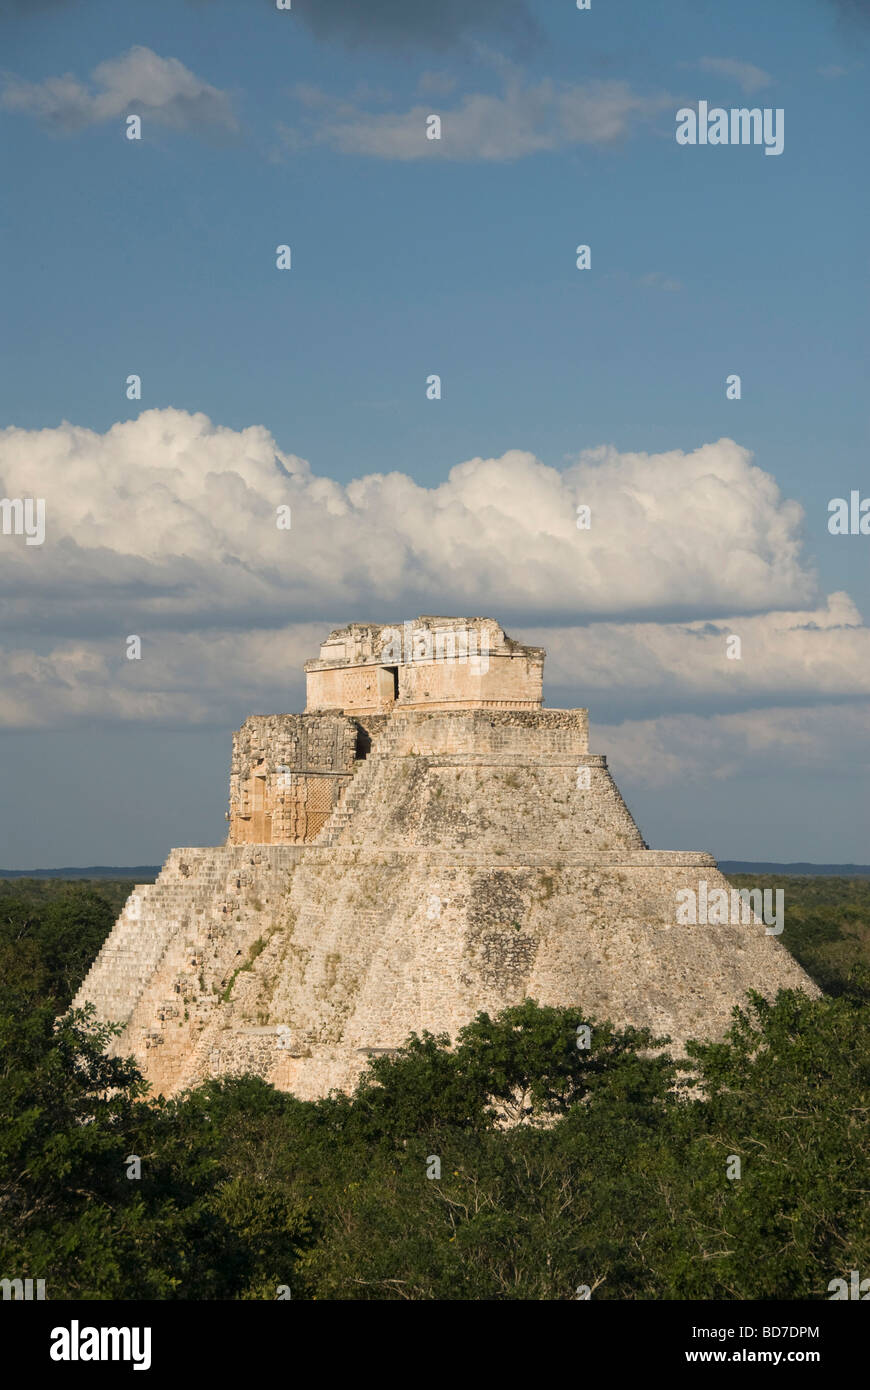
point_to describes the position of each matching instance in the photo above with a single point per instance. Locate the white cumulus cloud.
(816, 653)
(179, 517)
(139, 82)
(747, 76)
(675, 750)
(165, 527)
(524, 119)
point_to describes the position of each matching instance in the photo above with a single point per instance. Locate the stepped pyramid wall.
(400, 869)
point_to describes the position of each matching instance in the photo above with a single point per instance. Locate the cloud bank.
(166, 527)
(179, 517)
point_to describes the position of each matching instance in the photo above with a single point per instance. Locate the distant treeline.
(738, 1172)
(139, 873)
(147, 873)
(26, 894)
(827, 923)
(741, 866)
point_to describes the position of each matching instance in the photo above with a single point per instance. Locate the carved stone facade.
(288, 774)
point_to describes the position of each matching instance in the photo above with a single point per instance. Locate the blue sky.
(157, 257)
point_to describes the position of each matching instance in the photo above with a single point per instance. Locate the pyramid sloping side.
(464, 878)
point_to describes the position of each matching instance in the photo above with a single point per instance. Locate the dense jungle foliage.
(613, 1178)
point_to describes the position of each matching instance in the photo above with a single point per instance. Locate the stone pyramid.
(424, 842)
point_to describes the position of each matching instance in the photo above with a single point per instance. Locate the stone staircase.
(170, 918)
(356, 794)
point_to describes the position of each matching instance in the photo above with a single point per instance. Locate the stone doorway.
(388, 685)
(261, 819)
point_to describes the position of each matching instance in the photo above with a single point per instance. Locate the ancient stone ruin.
(424, 842)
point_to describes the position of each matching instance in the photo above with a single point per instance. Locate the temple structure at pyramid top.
(431, 663)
